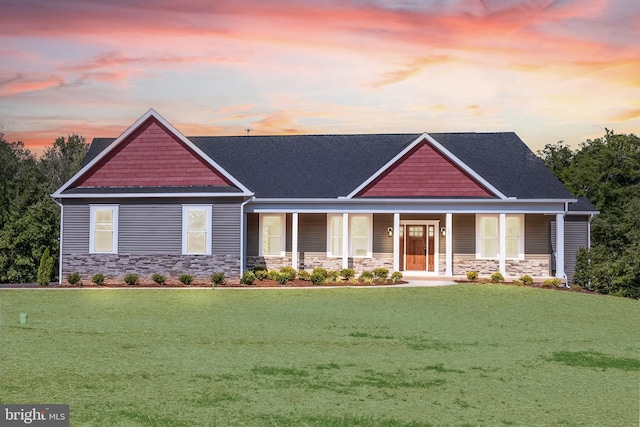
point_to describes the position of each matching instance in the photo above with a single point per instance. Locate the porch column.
(502, 243)
(294, 240)
(396, 242)
(345, 240)
(448, 245)
(560, 246)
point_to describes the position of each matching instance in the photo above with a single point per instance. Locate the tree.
(606, 170)
(63, 159)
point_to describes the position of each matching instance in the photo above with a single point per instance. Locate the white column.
(560, 246)
(345, 240)
(502, 243)
(449, 245)
(396, 242)
(294, 240)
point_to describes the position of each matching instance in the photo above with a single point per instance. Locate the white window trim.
(92, 226)
(185, 211)
(497, 217)
(283, 237)
(369, 235)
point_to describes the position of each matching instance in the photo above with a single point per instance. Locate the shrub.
(552, 283)
(158, 278)
(332, 276)
(131, 279)
(261, 274)
(186, 279)
(497, 277)
(248, 278)
(368, 279)
(347, 273)
(527, 280)
(381, 273)
(98, 279)
(517, 282)
(218, 278)
(576, 288)
(396, 276)
(283, 278)
(290, 272)
(304, 275)
(317, 277)
(273, 274)
(74, 278)
(45, 268)
(320, 270)
(472, 276)
(367, 276)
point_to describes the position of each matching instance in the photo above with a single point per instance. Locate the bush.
(497, 277)
(472, 276)
(131, 279)
(158, 278)
(98, 279)
(74, 278)
(218, 279)
(396, 276)
(304, 275)
(273, 274)
(45, 268)
(290, 272)
(317, 277)
(381, 273)
(261, 274)
(320, 270)
(576, 288)
(367, 275)
(283, 278)
(552, 283)
(527, 280)
(248, 278)
(347, 273)
(517, 283)
(332, 276)
(186, 279)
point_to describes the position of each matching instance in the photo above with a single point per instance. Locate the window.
(272, 236)
(359, 235)
(103, 237)
(196, 230)
(488, 236)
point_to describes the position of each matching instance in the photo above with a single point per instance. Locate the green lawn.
(452, 356)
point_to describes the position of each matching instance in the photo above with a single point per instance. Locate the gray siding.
(226, 229)
(312, 233)
(253, 231)
(150, 229)
(382, 243)
(464, 234)
(536, 234)
(575, 237)
(75, 238)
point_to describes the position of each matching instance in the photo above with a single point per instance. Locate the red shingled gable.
(424, 172)
(152, 156)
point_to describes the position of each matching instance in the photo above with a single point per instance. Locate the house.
(440, 204)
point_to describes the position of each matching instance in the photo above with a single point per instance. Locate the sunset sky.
(547, 70)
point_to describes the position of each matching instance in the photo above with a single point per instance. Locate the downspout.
(243, 237)
(60, 248)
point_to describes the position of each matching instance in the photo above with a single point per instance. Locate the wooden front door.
(416, 246)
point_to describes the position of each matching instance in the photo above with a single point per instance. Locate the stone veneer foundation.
(514, 268)
(310, 262)
(115, 267)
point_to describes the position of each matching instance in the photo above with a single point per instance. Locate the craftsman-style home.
(439, 204)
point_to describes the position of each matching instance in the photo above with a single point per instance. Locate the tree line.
(29, 218)
(605, 170)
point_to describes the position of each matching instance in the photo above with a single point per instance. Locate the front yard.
(450, 356)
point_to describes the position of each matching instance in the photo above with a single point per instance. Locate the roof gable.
(152, 154)
(423, 171)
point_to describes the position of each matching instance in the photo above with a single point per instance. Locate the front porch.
(446, 245)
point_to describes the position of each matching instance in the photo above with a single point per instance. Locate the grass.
(464, 355)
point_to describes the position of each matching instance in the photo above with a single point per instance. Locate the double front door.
(418, 246)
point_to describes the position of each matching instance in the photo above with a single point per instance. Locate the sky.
(548, 70)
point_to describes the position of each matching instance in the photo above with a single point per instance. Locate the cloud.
(21, 83)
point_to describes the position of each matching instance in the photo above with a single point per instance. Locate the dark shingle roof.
(582, 205)
(318, 166)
